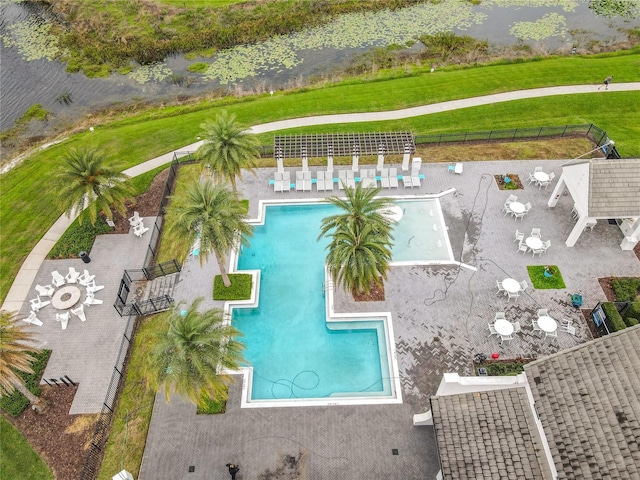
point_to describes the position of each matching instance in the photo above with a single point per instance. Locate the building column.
(577, 231)
(557, 191)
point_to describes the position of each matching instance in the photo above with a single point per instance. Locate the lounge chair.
(135, 219)
(91, 300)
(32, 319)
(58, 279)
(415, 177)
(458, 169)
(93, 288)
(384, 178)
(407, 181)
(63, 318)
(86, 278)
(45, 291)
(320, 181)
(79, 312)
(140, 229)
(72, 276)
(37, 304)
(393, 177)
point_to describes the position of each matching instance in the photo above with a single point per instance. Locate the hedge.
(615, 321)
(16, 403)
(632, 321)
(626, 289)
(632, 311)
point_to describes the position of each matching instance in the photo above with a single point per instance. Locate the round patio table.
(503, 327)
(516, 207)
(534, 243)
(66, 297)
(511, 285)
(547, 324)
(541, 176)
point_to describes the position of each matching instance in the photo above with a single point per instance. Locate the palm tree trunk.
(233, 183)
(37, 402)
(223, 269)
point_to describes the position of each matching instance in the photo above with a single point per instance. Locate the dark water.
(24, 83)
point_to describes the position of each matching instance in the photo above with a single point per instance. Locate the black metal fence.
(129, 277)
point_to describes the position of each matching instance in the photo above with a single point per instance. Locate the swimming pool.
(295, 353)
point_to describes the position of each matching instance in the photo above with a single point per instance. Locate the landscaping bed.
(514, 184)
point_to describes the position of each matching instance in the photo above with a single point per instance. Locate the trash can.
(85, 257)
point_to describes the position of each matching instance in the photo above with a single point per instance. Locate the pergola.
(602, 189)
(342, 144)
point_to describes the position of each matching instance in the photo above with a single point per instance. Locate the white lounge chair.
(415, 177)
(458, 169)
(299, 181)
(72, 276)
(32, 319)
(407, 181)
(320, 181)
(86, 278)
(45, 291)
(79, 312)
(58, 279)
(384, 178)
(140, 229)
(37, 304)
(93, 288)
(91, 300)
(135, 219)
(63, 318)
(393, 177)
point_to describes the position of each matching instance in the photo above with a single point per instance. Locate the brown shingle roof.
(614, 188)
(476, 441)
(588, 400)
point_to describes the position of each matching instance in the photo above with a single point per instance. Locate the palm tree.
(86, 180)
(190, 357)
(360, 207)
(360, 250)
(359, 257)
(16, 345)
(213, 213)
(228, 147)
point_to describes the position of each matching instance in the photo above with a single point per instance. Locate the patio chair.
(522, 247)
(551, 335)
(407, 181)
(139, 230)
(532, 179)
(505, 209)
(492, 329)
(513, 295)
(72, 276)
(527, 207)
(37, 304)
(524, 285)
(500, 289)
(393, 177)
(384, 178)
(537, 169)
(546, 244)
(519, 236)
(535, 232)
(551, 177)
(415, 177)
(63, 318)
(542, 312)
(569, 328)
(79, 312)
(91, 300)
(45, 291)
(135, 219)
(86, 278)
(32, 319)
(58, 279)
(590, 225)
(539, 251)
(517, 216)
(512, 198)
(499, 316)
(459, 168)
(320, 181)
(93, 288)
(505, 338)
(299, 181)
(516, 327)
(536, 327)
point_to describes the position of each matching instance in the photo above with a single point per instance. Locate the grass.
(133, 139)
(17, 458)
(540, 282)
(127, 438)
(16, 403)
(240, 288)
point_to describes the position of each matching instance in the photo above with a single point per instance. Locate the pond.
(28, 75)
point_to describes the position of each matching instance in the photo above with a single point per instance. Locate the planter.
(547, 274)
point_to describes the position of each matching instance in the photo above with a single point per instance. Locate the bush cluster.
(614, 319)
(626, 289)
(504, 368)
(15, 403)
(78, 238)
(632, 314)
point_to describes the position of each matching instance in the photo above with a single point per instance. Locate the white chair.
(500, 289)
(459, 168)
(516, 327)
(539, 251)
(517, 216)
(512, 198)
(524, 285)
(532, 179)
(407, 181)
(91, 300)
(590, 225)
(535, 232)
(93, 288)
(551, 176)
(542, 312)
(58, 279)
(286, 181)
(536, 327)
(545, 245)
(499, 316)
(393, 177)
(522, 247)
(79, 312)
(527, 207)
(505, 338)
(492, 329)
(519, 236)
(569, 328)
(537, 169)
(72, 276)
(37, 304)
(45, 291)
(513, 295)
(140, 230)
(299, 181)
(135, 220)
(86, 278)
(63, 318)
(551, 335)
(32, 319)
(320, 181)
(415, 177)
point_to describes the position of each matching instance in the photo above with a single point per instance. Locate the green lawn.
(540, 282)
(17, 458)
(27, 206)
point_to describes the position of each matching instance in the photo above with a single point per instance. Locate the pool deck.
(440, 317)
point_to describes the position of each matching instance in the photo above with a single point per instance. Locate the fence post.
(565, 130)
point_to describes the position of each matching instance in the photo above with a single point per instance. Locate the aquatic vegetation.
(550, 25)
(566, 5)
(197, 67)
(616, 8)
(33, 40)
(147, 73)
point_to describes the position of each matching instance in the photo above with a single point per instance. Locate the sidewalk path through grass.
(22, 284)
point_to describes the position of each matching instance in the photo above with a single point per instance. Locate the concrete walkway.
(24, 279)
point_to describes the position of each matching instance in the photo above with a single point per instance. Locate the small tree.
(190, 358)
(85, 180)
(16, 346)
(228, 147)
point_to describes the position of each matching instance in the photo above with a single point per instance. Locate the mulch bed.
(146, 204)
(375, 295)
(59, 438)
(515, 180)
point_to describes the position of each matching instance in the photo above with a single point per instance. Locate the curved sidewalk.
(22, 284)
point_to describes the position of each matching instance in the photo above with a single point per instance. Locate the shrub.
(505, 368)
(626, 289)
(240, 288)
(614, 319)
(78, 238)
(15, 403)
(209, 406)
(633, 310)
(631, 321)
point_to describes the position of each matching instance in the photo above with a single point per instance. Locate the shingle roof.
(614, 188)
(588, 400)
(488, 435)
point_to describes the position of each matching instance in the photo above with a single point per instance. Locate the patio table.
(541, 176)
(547, 324)
(534, 243)
(511, 285)
(516, 207)
(66, 297)
(503, 327)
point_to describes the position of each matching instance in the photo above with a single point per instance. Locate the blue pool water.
(292, 351)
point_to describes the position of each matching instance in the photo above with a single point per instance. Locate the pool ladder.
(326, 285)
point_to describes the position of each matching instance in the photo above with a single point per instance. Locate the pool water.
(293, 352)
